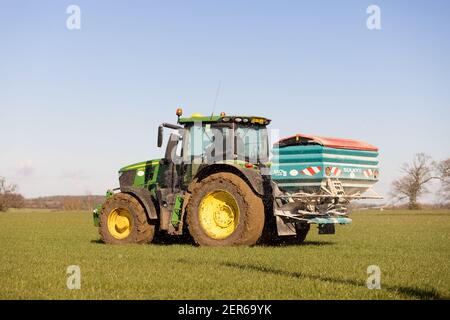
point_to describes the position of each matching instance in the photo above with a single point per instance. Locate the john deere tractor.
(216, 183)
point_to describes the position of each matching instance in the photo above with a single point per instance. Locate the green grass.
(411, 248)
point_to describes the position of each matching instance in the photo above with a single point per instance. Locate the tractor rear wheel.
(224, 211)
(123, 220)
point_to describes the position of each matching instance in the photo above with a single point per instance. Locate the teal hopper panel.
(305, 167)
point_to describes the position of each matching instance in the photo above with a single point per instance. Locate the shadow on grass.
(157, 242)
(187, 241)
(412, 292)
(181, 240)
(173, 240)
(293, 244)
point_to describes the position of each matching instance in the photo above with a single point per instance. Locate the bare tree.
(413, 184)
(443, 169)
(8, 196)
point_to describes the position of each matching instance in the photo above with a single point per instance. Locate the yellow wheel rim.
(219, 214)
(120, 223)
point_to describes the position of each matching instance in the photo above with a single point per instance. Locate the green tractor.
(216, 183)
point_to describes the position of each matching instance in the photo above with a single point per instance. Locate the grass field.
(411, 248)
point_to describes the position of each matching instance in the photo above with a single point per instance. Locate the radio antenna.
(217, 96)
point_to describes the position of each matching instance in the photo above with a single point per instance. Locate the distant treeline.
(404, 206)
(87, 202)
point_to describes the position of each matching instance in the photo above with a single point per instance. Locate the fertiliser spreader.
(315, 178)
(219, 183)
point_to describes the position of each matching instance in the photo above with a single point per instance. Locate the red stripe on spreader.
(330, 142)
(311, 170)
(367, 173)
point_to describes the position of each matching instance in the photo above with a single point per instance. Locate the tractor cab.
(217, 139)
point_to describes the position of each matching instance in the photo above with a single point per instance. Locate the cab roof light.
(259, 121)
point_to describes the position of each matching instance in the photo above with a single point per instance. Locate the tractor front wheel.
(224, 211)
(123, 220)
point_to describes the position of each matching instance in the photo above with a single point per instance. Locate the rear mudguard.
(253, 177)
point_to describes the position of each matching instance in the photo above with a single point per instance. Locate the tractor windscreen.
(216, 142)
(251, 143)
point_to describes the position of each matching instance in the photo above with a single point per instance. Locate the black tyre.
(224, 211)
(123, 220)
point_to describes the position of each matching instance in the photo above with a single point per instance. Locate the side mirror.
(160, 136)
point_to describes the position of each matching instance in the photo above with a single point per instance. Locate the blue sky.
(76, 105)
